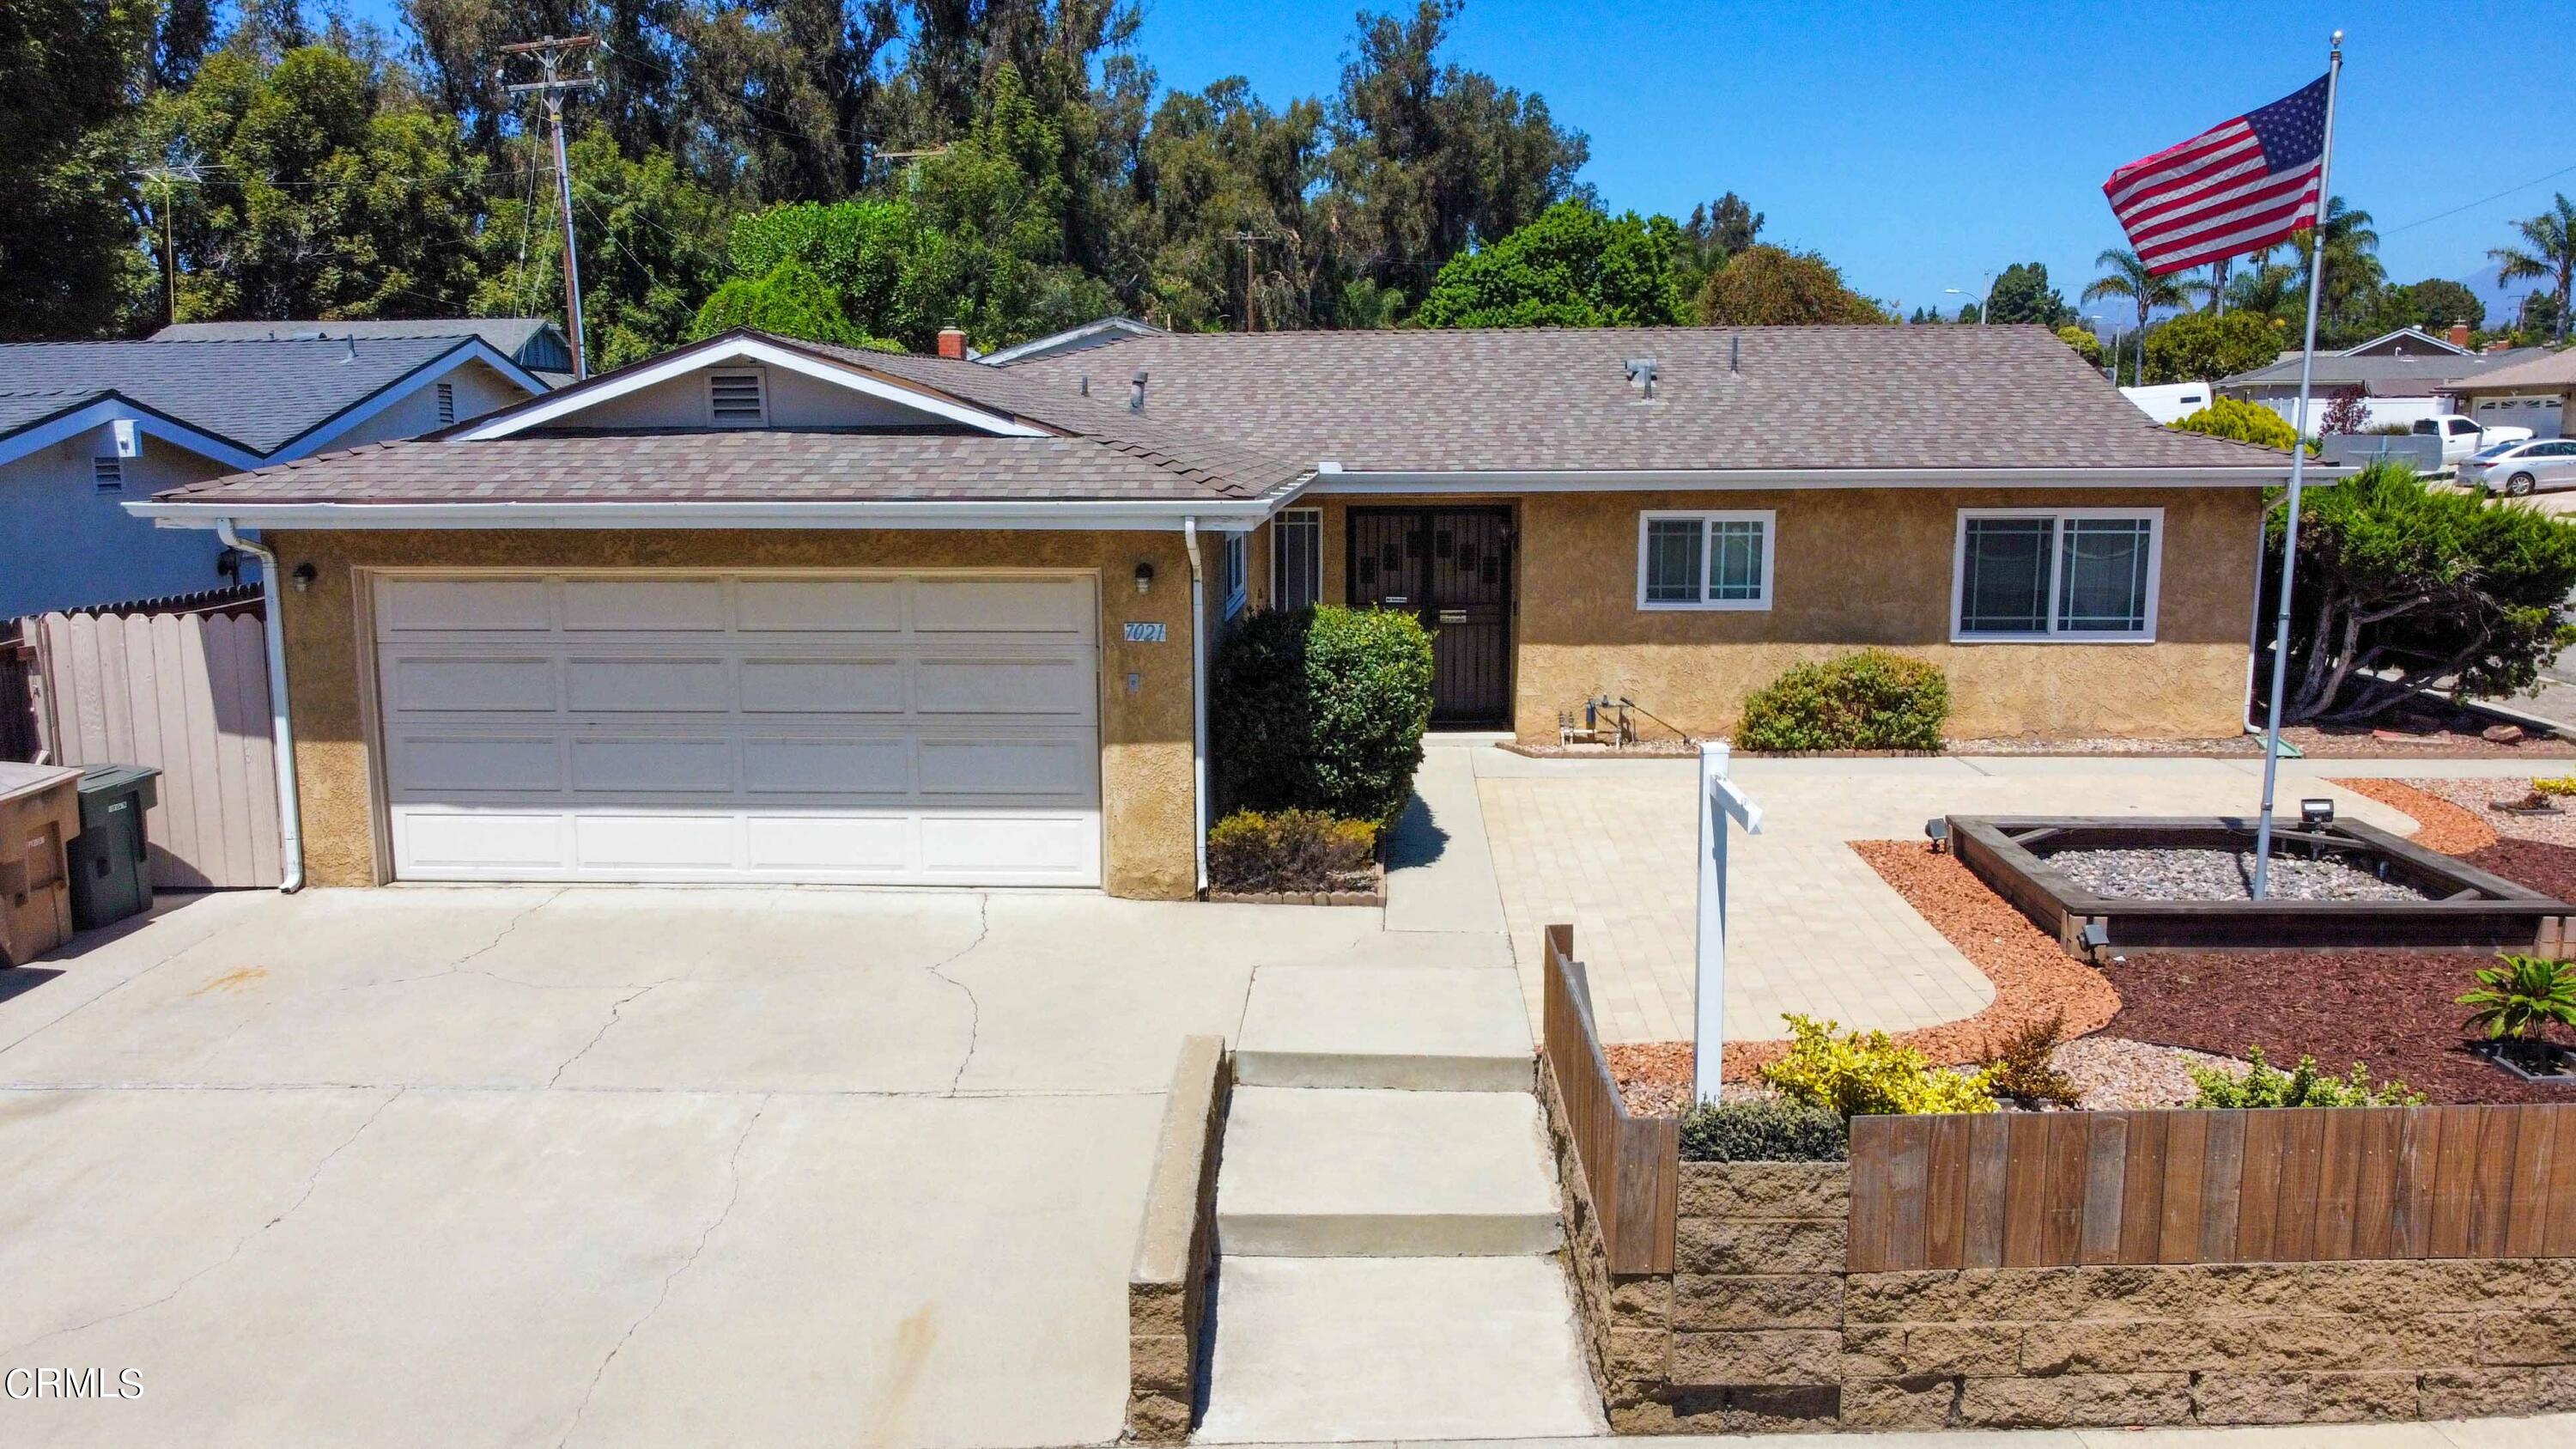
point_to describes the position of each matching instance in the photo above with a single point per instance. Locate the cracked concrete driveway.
(607, 1166)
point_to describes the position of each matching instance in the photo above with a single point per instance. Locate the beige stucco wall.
(1855, 567)
(1145, 770)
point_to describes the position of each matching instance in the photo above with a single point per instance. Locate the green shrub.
(1293, 850)
(1871, 700)
(1321, 709)
(2264, 1085)
(1866, 1074)
(2246, 422)
(2520, 996)
(1767, 1130)
(2026, 1070)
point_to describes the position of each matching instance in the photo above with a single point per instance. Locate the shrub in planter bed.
(2518, 998)
(1867, 1074)
(1293, 850)
(1769, 1130)
(1321, 709)
(1871, 700)
(2265, 1085)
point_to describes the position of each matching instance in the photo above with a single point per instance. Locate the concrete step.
(1389, 1174)
(1441, 1029)
(1322, 1349)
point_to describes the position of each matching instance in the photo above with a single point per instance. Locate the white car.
(2463, 438)
(2522, 467)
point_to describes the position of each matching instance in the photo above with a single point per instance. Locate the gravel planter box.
(2440, 902)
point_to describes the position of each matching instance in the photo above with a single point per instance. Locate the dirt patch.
(2442, 825)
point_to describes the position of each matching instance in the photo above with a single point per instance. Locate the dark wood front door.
(1452, 568)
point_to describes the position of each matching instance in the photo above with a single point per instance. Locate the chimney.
(2459, 334)
(952, 344)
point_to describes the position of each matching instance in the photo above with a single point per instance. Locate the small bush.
(1871, 700)
(1769, 1130)
(1321, 709)
(2556, 786)
(2521, 996)
(2246, 422)
(1293, 850)
(2027, 1072)
(2264, 1085)
(1866, 1074)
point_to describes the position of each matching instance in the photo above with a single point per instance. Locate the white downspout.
(1198, 700)
(290, 815)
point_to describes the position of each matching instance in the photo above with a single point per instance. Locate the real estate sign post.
(1719, 800)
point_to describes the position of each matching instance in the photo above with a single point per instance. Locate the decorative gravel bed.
(2479, 797)
(2117, 1074)
(2220, 875)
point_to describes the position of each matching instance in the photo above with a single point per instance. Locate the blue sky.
(1923, 145)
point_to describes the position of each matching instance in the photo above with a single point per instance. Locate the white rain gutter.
(1111, 515)
(290, 815)
(1198, 699)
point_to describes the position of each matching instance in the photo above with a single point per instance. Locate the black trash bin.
(110, 859)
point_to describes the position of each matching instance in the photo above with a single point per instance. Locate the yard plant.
(2025, 1071)
(2263, 1085)
(1291, 850)
(1769, 1129)
(1321, 709)
(2245, 422)
(2519, 997)
(1865, 1074)
(1870, 700)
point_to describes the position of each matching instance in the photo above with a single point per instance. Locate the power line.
(2481, 201)
(551, 88)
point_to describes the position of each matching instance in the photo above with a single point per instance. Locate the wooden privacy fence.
(1631, 1165)
(2278, 1185)
(188, 693)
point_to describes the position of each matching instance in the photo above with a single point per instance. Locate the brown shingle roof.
(1543, 399)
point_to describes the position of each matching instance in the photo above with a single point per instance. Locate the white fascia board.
(573, 399)
(315, 438)
(1232, 516)
(1740, 479)
(112, 409)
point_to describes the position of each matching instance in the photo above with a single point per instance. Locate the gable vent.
(107, 473)
(447, 404)
(737, 400)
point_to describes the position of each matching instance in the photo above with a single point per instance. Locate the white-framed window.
(1297, 558)
(738, 398)
(1233, 573)
(1705, 560)
(2067, 575)
(447, 404)
(107, 473)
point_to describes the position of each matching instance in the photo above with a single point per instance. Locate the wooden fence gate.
(186, 692)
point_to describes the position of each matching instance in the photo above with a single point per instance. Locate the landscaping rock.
(2502, 734)
(2220, 875)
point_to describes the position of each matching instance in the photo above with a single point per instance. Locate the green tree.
(2022, 294)
(1573, 267)
(2206, 346)
(2346, 306)
(1222, 180)
(2268, 289)
(2127, 278)
(1764, 285)
(791, 299)
(2402, 586)
(1716, 231)
(2440, 303)
(2548, 253)
(69, 71)
(2242, 421)
(2086, 345)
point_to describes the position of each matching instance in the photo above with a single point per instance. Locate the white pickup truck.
(2462, 437)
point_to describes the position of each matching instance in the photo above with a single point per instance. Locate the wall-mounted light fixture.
(303, 576)
(1144, 577)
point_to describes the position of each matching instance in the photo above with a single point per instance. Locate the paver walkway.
(1607, 845)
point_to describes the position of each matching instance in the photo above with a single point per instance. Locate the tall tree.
(1716, 230)
(2127, 278)
(2346, 305)
(69, 70)
(1573, 267)
(185, 34)
(1766, 285)
(2022, 294)
(2548, 254)
(1222, 228)
(2440, 302)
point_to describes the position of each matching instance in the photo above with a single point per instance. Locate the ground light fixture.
(1937, 830)
(2317, 812)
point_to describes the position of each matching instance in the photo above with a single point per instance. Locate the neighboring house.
(769, 610)
(2405, 376)
(2534, 393)
(88, 426)
(1073, 339)
(535, 344)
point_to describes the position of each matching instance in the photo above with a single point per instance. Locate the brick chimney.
(2459, 334)
(952, 343)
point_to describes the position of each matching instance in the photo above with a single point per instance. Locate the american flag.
(2232, 189)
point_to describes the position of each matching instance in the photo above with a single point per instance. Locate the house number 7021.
(1145, 633)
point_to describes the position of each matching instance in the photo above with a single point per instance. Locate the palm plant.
(2128, 277)
(2268, 289)
(2352, 266)
(2519, 996)
(2551, 237)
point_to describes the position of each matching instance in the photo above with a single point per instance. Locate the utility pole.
(1249, 239)
(166, 176)
(553, 83)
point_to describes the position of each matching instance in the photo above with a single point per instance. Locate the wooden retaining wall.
(1632, 1165)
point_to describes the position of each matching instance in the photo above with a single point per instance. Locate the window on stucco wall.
(2058, 575)
(1704, 560)
(1297, 558)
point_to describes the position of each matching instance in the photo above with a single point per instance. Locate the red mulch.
(2546, 868)
(2441, 825)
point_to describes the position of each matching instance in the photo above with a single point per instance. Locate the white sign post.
(1718, 800)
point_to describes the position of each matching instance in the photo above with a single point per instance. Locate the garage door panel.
(837, 844)
(828, 767)
(1030, 848)
(820, 606)
(632, 842)
(1035, 688)
(1059, 768)
(822, 686)
(481, 684)
(473, 765)
(647, 686)
(464, 606)
(644, 606)
(1060, 607)
(486, 842)
(652, 766)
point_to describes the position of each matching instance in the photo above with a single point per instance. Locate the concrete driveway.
(606, 1166)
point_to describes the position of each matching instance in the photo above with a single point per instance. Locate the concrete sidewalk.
(2552, 1431)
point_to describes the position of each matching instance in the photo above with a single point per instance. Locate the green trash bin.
(110, 860)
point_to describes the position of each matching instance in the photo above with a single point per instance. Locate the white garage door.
(2544, 415)
(930, 728)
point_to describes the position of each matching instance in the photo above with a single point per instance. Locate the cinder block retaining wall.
(1761, 1327)
(1167, 1285)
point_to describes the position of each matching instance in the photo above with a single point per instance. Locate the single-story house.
(534, 343)
(88, 426)
(2534, 393)
(772, 610)
(2405, 377)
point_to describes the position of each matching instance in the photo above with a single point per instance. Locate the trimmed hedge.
(1871, 700)
(1763, 1130)
(1321, 709)
(1293, 850)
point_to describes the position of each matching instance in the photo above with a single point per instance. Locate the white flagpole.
(2298, 475)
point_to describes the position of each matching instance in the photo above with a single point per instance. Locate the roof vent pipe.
(1136, 392)
(1641, 371)
(1084, 383)
(1734, 352)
